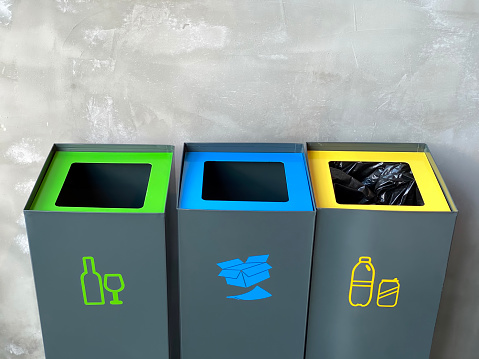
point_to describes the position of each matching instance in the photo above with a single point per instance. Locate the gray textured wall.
(246, 70)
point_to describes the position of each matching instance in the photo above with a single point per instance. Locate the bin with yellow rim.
(384, 226)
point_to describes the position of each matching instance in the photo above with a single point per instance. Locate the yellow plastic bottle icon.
(362, 283)
(388, 293)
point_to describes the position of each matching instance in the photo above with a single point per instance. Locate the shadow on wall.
(459, 309)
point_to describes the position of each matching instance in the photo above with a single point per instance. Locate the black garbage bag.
(374, 183)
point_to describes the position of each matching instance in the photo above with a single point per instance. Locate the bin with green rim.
(99, 227)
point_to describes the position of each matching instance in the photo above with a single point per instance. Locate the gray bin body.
(135, 245)
(412, 247)
(216, 327)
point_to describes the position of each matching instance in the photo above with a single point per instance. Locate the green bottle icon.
(91, 283)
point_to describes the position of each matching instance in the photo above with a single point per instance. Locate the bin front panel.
(357, 254)
(265, 257)
(77, 321)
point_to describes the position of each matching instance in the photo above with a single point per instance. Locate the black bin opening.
(380, 183)
(244, 181)
(105, 185)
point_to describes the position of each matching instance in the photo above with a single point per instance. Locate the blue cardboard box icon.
(246, 274)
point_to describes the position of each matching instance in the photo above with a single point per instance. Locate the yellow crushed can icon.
(388, 293)
(362, 282)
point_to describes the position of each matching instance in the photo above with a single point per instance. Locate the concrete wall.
(148, 71)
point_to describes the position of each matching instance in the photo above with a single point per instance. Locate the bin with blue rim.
(385, 221)
(245, 233)
(99, 220)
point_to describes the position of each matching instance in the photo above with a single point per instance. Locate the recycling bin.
(245, 233)
(385, 221)
(98, 224)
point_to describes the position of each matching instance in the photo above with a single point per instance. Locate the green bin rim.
(47, 188)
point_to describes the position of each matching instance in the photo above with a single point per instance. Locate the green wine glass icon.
(114, 292)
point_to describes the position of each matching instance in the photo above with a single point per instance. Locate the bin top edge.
(112, 211)
(383, 210)
(367, 146)
(243, 147)
(209, 210)
(88, 147)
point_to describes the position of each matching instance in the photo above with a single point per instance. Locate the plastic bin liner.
(374, 183)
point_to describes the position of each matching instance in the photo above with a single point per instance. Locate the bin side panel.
(217, 327)
(398, 323)
(131, 245)
(172, 266)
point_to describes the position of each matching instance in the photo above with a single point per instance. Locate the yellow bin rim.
(428, 184)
